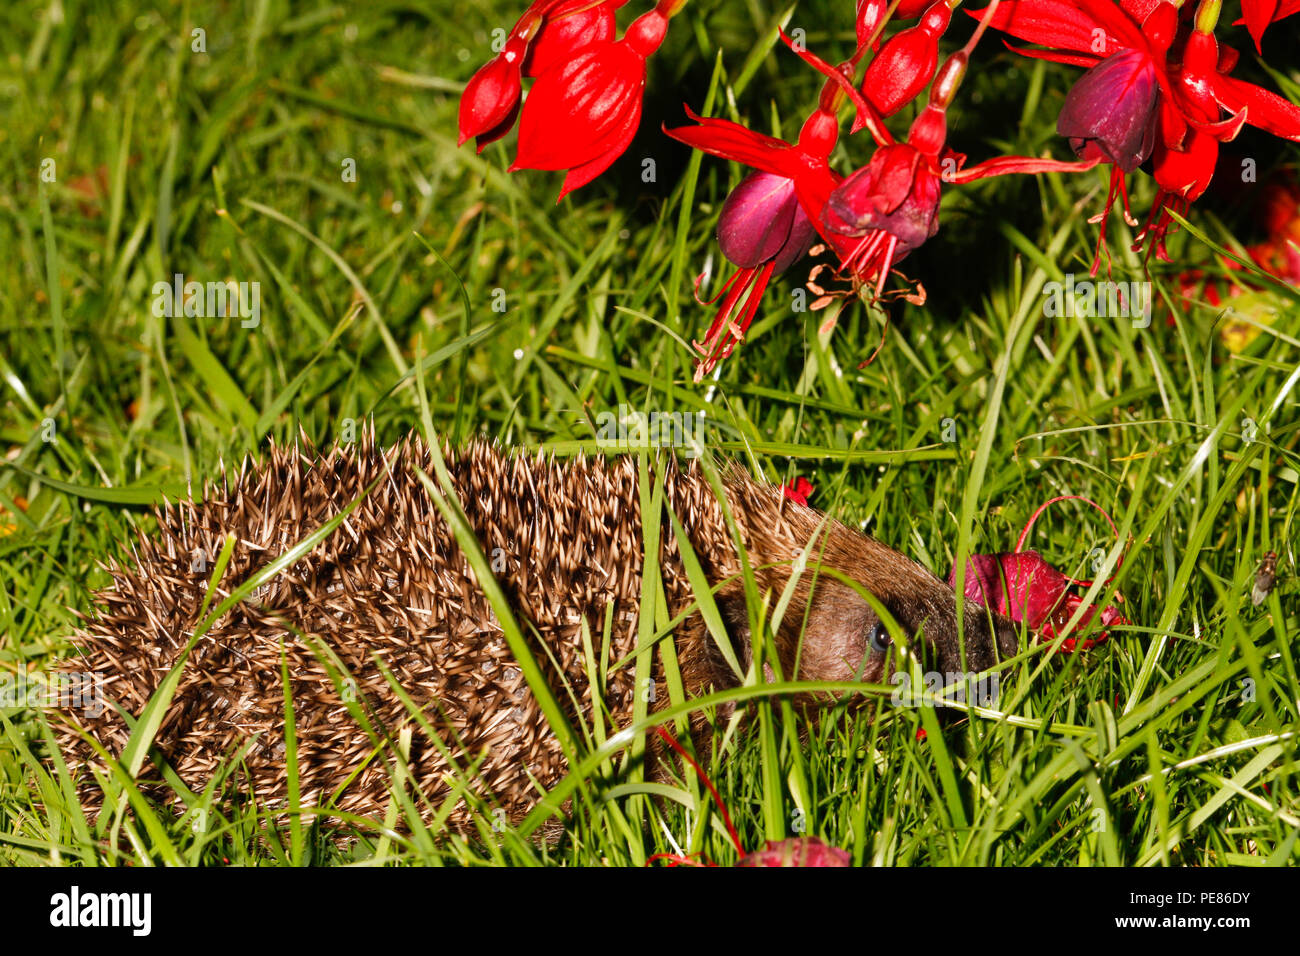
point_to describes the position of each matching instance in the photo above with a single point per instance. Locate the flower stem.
(969, 48)
(861, 51)
(949, 76)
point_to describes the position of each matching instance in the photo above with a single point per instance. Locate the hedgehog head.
(829, 630)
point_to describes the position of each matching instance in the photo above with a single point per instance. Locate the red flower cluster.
(585, 105)
(1158, 92)
(885, 210)
(1158, 87)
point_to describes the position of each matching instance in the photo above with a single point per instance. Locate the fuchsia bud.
(583, 112)
(870, 15)
(906, 63)
(1111, 111)
(491, 99)
(762, 221)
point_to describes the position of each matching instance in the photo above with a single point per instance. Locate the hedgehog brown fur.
(391, 583)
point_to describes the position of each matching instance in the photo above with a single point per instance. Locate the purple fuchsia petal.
(917, 218)
(983, 581)
(1019, 585)
(1111, 111)
(757, 219)
(800, 241)
(877, 189)
(895, 194)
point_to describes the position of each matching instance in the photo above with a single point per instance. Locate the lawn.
(311, 149)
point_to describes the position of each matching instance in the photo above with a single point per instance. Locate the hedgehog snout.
(947, 653)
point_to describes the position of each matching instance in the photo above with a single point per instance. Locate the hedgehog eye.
(879, 637)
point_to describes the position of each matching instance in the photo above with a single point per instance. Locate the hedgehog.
(392, 597)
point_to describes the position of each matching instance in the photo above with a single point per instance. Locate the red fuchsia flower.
(891, 206)
(906, 63)
(1188, 149)
(1021, 585)
(1111, 111)
(798, 851)
(805, 162)
(570, 27)
(762, 230)
(894, 198)
(799, 490)
(885, 212)
(804, 165)
(583, 111)
(1192, 77)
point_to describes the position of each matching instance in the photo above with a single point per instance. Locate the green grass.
(1172, 743)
